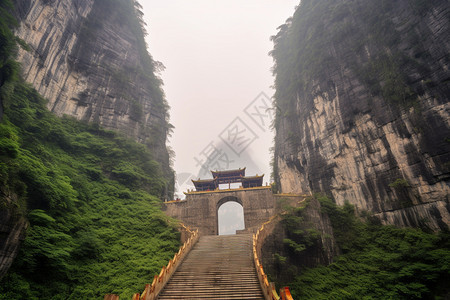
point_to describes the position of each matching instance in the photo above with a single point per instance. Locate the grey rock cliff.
(89, 59)
(370, 121)
(321, 251)
(12, 231)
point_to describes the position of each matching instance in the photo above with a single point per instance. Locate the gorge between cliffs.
(361, 131)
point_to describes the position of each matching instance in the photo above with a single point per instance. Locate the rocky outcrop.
(284, 264)
(363, 110)
(89, 59)
(12, 230)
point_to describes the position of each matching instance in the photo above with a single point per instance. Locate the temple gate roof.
(228, 177)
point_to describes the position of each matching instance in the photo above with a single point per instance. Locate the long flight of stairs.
(218, 267)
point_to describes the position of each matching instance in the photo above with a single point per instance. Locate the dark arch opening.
(230, 216)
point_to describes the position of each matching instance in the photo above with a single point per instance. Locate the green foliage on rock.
(91, 197)
(8, 66)
(298, 238)
(92, 201)
(377, 262)
(399, 183)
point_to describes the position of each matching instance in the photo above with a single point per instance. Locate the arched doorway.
(230, 216)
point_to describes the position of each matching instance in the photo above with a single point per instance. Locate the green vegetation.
(8, 66)
(91, 197)
(377, 262)
(298, 239)
(399, 182)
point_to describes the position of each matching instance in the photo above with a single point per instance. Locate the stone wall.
(200, 210)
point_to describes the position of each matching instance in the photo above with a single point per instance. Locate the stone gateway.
(200, 208)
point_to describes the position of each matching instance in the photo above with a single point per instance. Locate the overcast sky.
(217, 80)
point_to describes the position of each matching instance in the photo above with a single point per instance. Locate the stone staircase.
(218, 267)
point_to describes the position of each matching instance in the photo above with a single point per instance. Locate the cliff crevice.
(12, 229)
(362, 107)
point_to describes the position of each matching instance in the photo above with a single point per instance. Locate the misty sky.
(217, 80)
(230, 218)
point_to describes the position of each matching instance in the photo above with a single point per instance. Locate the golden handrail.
(151, 291)
(269, 290)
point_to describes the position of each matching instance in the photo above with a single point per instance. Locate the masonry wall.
(199, 210)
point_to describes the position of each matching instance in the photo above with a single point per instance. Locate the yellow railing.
(268, 288)
(151, 291)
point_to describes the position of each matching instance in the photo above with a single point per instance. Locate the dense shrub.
(378, 262)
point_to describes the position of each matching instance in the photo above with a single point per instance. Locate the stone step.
(212, 296)
(231, 290)
(191, 285)
(214, 279)
(218, 267)
(171, 288)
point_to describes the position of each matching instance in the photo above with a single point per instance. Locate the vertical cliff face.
(12, 230)
(89, 59)
(314, 233)
(363, 113)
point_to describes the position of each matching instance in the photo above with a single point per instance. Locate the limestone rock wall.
(373, 125)
(12, 231)
(321, 252)
(89, 59)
